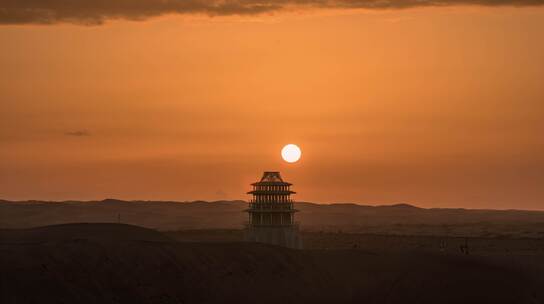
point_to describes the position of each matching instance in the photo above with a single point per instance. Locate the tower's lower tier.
(287, 236)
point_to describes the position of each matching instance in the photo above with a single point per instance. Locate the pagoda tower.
(271, 213)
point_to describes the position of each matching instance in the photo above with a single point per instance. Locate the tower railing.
(295, 225)
(288, 200)
(271, 205)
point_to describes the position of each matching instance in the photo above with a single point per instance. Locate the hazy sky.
(433, 106)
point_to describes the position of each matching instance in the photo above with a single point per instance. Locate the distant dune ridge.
(117, 263)
(394, 219)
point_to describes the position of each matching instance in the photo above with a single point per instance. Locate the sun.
(291, 153)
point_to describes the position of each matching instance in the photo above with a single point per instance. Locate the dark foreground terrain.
(531, 248)
(116, 263)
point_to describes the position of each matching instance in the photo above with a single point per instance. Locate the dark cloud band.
(78, 133)
(98, 11)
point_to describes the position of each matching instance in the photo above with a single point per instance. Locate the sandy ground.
(115, 263)
(501, 246)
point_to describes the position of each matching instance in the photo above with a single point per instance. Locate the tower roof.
(271, 178)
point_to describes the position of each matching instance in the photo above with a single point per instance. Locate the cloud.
(78, 133)
(93, 12)
(221, 193)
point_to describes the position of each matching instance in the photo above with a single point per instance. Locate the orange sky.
(437, 107)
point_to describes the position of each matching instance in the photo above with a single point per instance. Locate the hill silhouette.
(393, 219)
(116, 263)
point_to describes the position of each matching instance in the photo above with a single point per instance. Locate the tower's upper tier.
(271, 184)
(271, 178)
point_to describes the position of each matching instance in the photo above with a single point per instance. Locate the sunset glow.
(291, 153)
(113, 103)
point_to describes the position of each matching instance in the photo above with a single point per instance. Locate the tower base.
(286, 236)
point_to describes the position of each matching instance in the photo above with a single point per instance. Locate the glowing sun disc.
(291, 153)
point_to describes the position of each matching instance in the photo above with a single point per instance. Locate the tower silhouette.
(271, 213)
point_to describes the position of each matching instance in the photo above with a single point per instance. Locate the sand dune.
(395, 219)
(111, 263)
